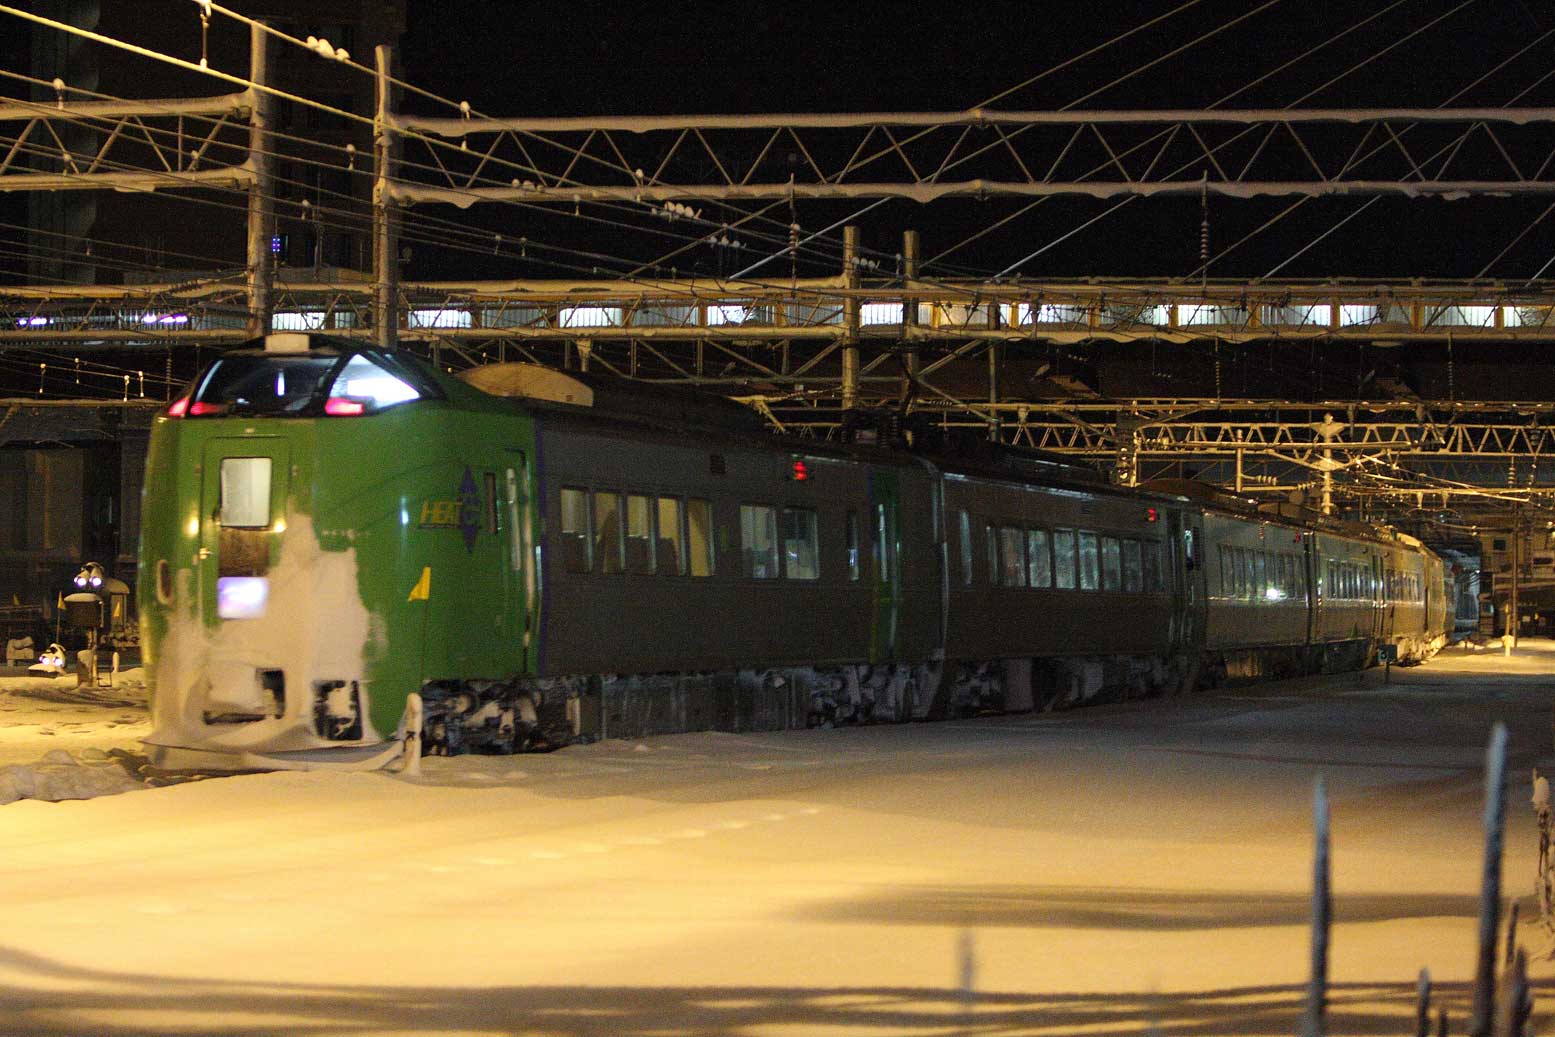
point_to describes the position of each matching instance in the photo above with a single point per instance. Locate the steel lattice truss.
(140, 145)
(981, 153)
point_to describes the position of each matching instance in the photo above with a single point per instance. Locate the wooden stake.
(1480, 1021)
(1423, 1005)
(1314, 1020)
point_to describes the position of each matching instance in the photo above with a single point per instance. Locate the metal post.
(910, 250)
(1511, 615)
(850, 322)
(1490, 885)
(261, 193)
(995, 350)
(1239, 483)
(386, 260)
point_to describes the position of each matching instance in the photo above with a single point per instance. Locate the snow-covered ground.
(59, 740)
(1139, 868)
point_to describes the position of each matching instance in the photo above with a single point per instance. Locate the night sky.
(619, 59)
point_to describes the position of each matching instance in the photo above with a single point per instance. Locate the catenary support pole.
(261, 190)
(850, 319)
(911, 248)
(386, 260)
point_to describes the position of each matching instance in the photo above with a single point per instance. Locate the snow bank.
(59, 776)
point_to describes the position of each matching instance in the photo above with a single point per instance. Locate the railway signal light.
(800, 472)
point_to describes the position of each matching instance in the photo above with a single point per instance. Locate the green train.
(543, 558)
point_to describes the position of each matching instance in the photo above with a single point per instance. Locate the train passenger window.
(1111, 564)
(991, 540)
(1012, 556)
(851, 531)
(607, 531)
(1155, 575)
(1249, 577)
(670, 557)
(245, 492)
(491, 502)
(758, 541)
(966, 549)
(699, 536)
(639, 534)
(576, 540)
(1039, 559)
(1090, 561)
(1260, 576)
(801, 544)
(1133, 577)
(1063, 559)
(1225, 571)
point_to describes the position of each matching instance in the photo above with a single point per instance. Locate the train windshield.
(305, 385)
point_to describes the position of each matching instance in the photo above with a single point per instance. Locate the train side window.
(991, 542)
(801, 544)
(1063, 559)
(1249, 581)
(850, 529)
(758, 541)
(1012, 556)
(1133, 577)
(966, 549)
(671, 554)
(1260, 575)
(1155, 576)
(1111, 564)
(699, 537)
(1039, 559)
(577, 541)
(1090, 561)
(607, 531)
(639, 534)
(1225, 571)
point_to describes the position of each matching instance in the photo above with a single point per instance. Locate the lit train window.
(672, 554)
(1012, 557)
(1039, 559)
(699, 537)
(607, 531)
(801, 544)
(576, 538)
(758, 541)
(639, 534)
(1063, 559)
(364, 380)
(1111, 564)
(245, 492)
(1133, 576)
(1090, 562)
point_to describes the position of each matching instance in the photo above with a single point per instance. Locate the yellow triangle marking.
(422, 591)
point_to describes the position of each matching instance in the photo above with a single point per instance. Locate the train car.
(330, 528)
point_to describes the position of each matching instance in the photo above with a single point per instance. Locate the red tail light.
(206, 408)
(178, 407)
(343, 408)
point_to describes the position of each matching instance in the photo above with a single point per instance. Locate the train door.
(243, 507)
(1187, 530)
(884, 503)
(517, 521)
